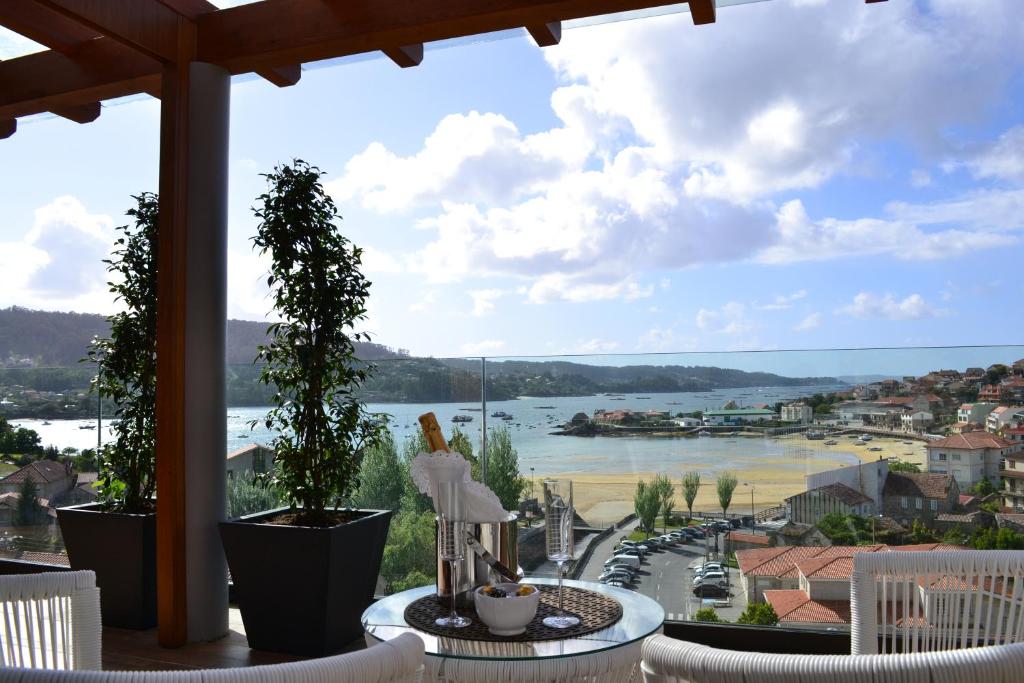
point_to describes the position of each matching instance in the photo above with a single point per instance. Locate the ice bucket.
(500, 539)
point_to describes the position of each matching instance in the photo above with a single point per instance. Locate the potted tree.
(304, 573)
(116, 536)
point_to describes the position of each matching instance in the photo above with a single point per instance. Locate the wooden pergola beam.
(547, 34)
(148, 26)
(405, 56)
(79, 113)
(44, 26)
(7, 128)
(702, 11)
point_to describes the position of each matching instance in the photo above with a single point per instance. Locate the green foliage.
(955, 536)
(29, 512)
(666, 497)
(708, 615)
(460, 443)
(646, 504)
(86, 461)
(18, 440)
(845, 530)
(903, 466)
(759, 614)
(126, 365)
(410, 558)
(691, 485)
(726, 484)
(983, 488)
(381, 476)
(503, 469)
(249, 494)
(919, 533)
(991, 507)
(412, 500)
(319, 295)
(1003, 539)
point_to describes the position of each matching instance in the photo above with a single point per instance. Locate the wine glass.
(451, 542)
(558, 516)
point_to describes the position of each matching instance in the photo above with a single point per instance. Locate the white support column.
(206, 314)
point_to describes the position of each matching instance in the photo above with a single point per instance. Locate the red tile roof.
(759, 539)
(41, 472)
(795, 606)
(918, 484)
(784, 562)
(840, 492)
(840, 568)
(971, 441)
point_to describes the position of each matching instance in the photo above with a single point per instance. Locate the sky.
(802, 174)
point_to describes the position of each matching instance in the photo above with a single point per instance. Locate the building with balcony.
(969, 457)
(1002, 417)
(975, 413)
(797, 412)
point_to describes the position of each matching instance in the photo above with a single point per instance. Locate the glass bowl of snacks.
(507, 608)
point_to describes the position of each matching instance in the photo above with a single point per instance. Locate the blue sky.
(802, 174)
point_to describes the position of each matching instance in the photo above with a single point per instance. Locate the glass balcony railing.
(772, 459)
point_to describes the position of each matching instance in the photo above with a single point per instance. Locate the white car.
(629, 560)
(709, 567)
(711, 578)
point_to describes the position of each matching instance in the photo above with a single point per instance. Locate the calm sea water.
(534, 420)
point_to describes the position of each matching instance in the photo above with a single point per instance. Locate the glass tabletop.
(641, 616)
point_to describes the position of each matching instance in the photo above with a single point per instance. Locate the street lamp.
(533, 491)
(752, 526)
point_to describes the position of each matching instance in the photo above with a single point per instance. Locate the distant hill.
(48, 338)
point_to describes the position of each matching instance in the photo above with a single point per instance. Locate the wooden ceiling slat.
(80, 113)
(547, 34)
(405, 56)
(702, 11)
(43, 25)
(7, 128)
(145, 25)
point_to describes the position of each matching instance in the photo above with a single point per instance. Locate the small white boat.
(865, 437)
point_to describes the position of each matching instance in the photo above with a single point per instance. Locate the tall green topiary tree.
(29, 512)
(319, 295)
(126, 364)
(726, 484)
(691, 485)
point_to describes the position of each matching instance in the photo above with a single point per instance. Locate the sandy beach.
(602, 498)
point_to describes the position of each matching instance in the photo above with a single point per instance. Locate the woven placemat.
(595, 612)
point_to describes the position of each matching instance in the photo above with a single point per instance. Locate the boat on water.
(462, 418)
(618, 398)
(544, 407)
(46, 424)
(507, 418)
(865, 437)
(87, 426)
(858, 442)
(831, 442)
(499, 413)
(875, 448)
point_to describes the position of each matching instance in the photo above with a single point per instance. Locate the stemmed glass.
(558, 516)
(451, 542)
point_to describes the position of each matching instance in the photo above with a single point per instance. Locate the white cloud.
(1004, 159)
(784, 301)
(811, 322)
(867, 306)
(482, 348)
(595, 346)
(424, 303)
(920, 178)
(664, 339)
(729, 319)
(557, 287)
(483, 300)
(58, 264)
(377, 261)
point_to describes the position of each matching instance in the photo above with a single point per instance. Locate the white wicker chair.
(929, 601)
(50, 621)
(394, 661)
(674, 661)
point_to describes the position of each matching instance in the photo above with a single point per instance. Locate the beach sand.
(608, 497)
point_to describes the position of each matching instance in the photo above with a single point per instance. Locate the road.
(667, 577)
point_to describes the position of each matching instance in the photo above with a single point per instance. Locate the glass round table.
(611, 654)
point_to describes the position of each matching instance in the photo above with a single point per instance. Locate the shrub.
(759, 614)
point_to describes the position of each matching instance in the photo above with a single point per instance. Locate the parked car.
(735, 522)
(708, 567)
(632, 552)
(711, 591)
(619, 584)
(624, 577)
(631, 560)
(618, 567)
(710, 577)
(697, 532)
(624, 545)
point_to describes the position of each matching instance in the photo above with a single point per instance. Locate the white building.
(252, 459)
(797, 412)
(1001, 417)
(867, 478)
(969, 457)
(974, 413)
(687, 422)
(917, 421)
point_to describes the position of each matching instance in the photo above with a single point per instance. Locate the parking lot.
(666, 575)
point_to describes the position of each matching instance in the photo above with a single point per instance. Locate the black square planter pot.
(302, 590)
(121, 549)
